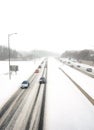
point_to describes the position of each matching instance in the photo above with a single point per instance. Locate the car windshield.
(42, 78)
(24, 82)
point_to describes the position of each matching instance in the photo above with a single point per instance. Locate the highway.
(64, 103)
(67, 108)
(23, 109)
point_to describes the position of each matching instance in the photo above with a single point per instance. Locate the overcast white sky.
(53, 25)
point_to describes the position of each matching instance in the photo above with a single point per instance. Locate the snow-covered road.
(66, 107)
(85, 81)
(8, 87)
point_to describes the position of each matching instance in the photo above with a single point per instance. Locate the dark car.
(89, 69)
(68, 62)
(25, 84)
(42, 80)
(39, 66)
(78, 66)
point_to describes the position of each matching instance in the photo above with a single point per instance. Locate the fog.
(54, 25)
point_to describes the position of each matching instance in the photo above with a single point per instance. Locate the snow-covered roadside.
(8, 87)
(86, 82)
(66, 108)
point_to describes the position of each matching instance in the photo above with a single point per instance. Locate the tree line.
(4, 53)
(79, 55)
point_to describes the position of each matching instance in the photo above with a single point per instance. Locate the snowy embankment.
(85, 82)
(8, 87)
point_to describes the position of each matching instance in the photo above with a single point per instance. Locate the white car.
(25, 84)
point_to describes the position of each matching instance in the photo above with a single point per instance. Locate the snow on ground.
(66, 107)
(86, 82)
(8, 87)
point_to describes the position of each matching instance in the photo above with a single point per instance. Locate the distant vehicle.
(25, 84)
(89, 69)
(42, 80)
(68, 62)
(73, 60)
(78, 66)
(39, 66)
(37, 71)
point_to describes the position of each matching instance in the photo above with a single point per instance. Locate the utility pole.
(9, 52)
